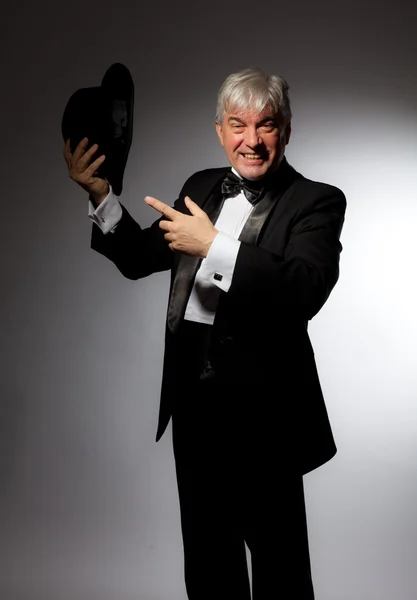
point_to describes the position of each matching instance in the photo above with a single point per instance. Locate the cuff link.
(217, 276)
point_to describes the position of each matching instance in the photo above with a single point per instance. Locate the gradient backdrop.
(88, 501)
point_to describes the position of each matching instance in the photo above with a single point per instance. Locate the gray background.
(88, 501)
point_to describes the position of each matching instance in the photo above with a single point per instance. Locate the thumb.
(194, 209)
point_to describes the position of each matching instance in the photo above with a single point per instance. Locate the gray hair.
(253, 89)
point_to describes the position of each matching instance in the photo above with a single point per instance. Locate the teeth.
(252, 156)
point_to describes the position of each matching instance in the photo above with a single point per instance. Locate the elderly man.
(254, 254)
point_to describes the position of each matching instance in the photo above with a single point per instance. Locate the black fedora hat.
(104, 114)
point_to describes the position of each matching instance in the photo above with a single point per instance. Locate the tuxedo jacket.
(286, 267)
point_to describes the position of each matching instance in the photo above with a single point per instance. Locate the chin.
(253, 173)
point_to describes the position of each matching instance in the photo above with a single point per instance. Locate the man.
(254, 254)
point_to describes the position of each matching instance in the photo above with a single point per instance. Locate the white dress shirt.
(216, 270)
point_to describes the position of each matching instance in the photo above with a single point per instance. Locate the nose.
(252, 137)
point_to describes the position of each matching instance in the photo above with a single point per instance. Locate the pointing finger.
(161, 207)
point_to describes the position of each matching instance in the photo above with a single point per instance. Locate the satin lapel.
(188, 266)
(264, 207)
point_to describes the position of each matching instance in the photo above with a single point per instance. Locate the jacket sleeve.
(297, 282)
(136, 252)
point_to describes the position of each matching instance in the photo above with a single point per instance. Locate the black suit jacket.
(286, 267)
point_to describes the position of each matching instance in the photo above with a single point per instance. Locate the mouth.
(254, 158)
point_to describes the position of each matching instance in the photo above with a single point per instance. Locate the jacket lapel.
(264, 207)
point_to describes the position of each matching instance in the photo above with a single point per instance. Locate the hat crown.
(104, 114)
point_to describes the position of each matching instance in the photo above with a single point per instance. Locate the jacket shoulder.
(203, 180)
(319, 189)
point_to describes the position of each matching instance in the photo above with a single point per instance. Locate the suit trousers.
(235, 488)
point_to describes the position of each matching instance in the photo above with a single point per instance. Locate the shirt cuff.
(219, 265)
(107, 214)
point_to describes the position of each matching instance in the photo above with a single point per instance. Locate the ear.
(219, 131)
(287, 133)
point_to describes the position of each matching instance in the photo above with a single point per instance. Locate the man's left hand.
(191, 234)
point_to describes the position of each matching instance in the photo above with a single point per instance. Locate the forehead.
(249, 114)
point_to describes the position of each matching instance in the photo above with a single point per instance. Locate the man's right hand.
(85, 174)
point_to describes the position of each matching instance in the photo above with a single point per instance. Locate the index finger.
(80, 149)
(161, 207)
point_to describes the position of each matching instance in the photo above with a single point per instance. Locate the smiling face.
(254, 142)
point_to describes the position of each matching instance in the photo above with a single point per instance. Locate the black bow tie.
(232, 184)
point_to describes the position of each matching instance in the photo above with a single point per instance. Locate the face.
(254, 142)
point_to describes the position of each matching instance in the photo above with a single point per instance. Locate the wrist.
(98, 197)
(209, 243)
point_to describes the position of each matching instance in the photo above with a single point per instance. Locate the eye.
(270, 126)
